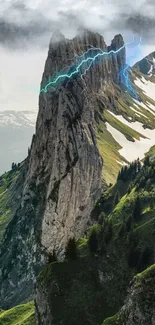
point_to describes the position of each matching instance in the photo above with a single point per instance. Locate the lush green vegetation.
(19, 315)
(120, 244)
(111, 320)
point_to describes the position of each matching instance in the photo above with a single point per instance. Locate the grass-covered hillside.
(19, 315)
(92, 284)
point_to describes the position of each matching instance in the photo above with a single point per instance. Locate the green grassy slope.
(108, 148)
(20, 315)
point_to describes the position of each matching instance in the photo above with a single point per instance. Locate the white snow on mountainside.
(147, 86)
(131, 150)
(17, 118)
(16, 130)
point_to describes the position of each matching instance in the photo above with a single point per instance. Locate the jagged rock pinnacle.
(57, 37)
(64, 166)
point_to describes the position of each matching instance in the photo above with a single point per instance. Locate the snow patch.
(144, 106)
(136, 126)
(147, 86)
(18, 118)
(122, 163)
(137, 112)
(151, 106)
(132, 150)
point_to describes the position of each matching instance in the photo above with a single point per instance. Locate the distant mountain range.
(16, 130)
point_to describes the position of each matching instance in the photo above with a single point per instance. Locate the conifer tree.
(52, 257)
(116, 199)
(71, 250)
(137, 209)
(93, 242)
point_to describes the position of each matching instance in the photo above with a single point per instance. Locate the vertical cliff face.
(63, 178)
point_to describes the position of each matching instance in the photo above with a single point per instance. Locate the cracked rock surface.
(63, 170)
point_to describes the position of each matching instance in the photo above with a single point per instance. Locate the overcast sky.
(26, 28)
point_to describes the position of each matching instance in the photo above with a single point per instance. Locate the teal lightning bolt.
(89, 60)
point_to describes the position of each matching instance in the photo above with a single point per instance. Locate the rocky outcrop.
(139, 307)
(63, 178)
(147, 64)
(69, 293)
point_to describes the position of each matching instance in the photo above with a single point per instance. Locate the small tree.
(52, 257)
(116, 199)
(147, 161)
(138, 165)
(109, 232)
(133, 255)
(137, 209)
(71, 250)
(128, 224)
(93, 241)
(121, 230)
(144, 258)
(13, 166)
(101, 218)
(152, 204)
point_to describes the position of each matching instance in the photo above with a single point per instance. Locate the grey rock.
(63, 178)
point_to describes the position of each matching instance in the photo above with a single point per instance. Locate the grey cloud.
(141, 24)
(22, 25)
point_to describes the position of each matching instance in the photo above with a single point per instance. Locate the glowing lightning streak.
(126, 75)
(76, 71)
(78, 67)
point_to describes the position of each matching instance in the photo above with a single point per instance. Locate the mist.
(26, 28)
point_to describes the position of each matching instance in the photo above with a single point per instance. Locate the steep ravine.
(63, 178)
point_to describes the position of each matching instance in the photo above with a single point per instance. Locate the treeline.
(98, 238)
(139, 174)
(146, 176)
(129, 172)
(139, 256)
(15, 166)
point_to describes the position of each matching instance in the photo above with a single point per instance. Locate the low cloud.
(26, 27)
(32, 22)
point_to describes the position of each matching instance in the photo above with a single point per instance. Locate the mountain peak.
(85, 54)
(57, 37)
(147, 64)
